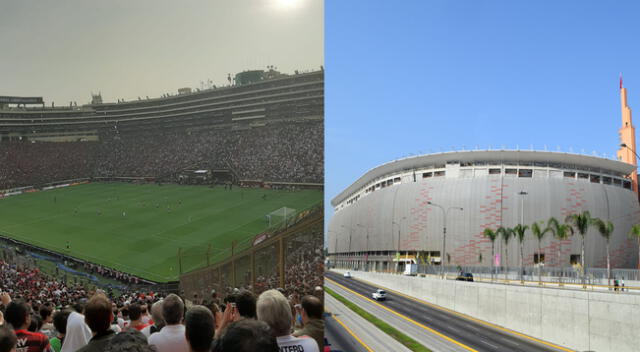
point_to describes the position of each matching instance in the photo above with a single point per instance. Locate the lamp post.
(398, 252)
(350, 231)
(444, 231)
(366, 256)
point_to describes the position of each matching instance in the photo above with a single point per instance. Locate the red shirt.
(32, 342)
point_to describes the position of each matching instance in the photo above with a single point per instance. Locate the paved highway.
(450, 331)
(361, 334)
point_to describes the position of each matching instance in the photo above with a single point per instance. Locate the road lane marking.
(349, 331)
(405, 317)
(468, 317)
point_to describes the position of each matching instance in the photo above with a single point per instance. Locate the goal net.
(280, 216)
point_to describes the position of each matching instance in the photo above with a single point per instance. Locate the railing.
(569, 277)
(274, 262)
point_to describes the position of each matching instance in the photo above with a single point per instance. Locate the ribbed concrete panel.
(488, 201)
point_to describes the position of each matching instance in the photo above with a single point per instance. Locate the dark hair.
(45, 312)
(172, 309)
(8, 339)
(246, 303)
(60, 320)
(97, 313)
(247, 335)
(35, 324)
(130, 340)
(312, 306)
(134, 311)
(199, 328)
(16, 313)
(79, 306)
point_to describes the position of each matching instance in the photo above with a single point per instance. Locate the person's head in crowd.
(135, 313)
(36, 323)
(172, 309)
(46, 313)
(98, 314)
(246, 303)
(79, 305)
(311, 308)
(1, 318)
(247, 335)
(318, 292)
(60, 321)
(274, 309)
(156, 314)
(199, 328)
(8, 340)
(129, 340)
(17, 314)
(125, 313)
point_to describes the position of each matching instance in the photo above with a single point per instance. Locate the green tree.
(561, 232)
(606, 230)
(492, 235)
(519, 231)
(581, 223)
(539, 232)
(506, 233)
(635, 233)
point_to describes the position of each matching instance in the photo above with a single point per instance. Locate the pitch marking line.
(472, 318)
(405, 317)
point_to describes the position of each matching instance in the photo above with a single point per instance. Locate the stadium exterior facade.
(387, 210)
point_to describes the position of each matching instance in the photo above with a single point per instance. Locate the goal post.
(280, 216)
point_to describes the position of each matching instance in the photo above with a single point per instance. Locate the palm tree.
(492, 236)
(635, 232)
(606, 230)
(539, 233)
(561, 232)
(506, 233)
(519, 232)
(581, 223)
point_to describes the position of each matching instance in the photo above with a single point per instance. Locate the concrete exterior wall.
(580, 320)
(379, 219)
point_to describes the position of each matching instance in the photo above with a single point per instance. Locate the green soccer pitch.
(138, 229)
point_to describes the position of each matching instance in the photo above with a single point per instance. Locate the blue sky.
(423, 76)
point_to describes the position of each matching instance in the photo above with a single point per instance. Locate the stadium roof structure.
(498, 156)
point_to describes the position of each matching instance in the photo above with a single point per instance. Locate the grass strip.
(407, 341)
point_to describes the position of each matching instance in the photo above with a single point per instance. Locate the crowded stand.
(289, 152)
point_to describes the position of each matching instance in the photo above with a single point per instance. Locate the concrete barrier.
(580, 320)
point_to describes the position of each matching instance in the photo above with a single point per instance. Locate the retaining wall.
(580, 320)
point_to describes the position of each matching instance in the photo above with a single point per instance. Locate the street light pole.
(350, 231)
(398, 252)
(366, 256)
(444, 232)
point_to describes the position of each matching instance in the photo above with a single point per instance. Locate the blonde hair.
(273, 308)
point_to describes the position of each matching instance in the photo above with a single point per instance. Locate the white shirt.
(291, 343)
(170, 339)
(78, 333)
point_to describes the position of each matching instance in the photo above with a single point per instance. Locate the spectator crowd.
(38, 313)
(284, 152)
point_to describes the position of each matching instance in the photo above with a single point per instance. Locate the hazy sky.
(427, 76)
(63, 50)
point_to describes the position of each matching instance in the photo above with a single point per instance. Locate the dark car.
(465, 277)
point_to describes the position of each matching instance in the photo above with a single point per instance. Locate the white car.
(379, 295)
(347, 274)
